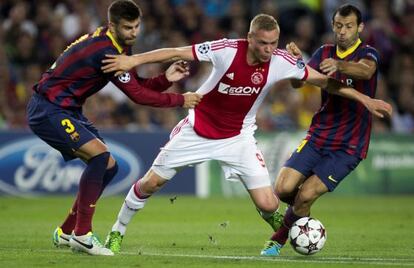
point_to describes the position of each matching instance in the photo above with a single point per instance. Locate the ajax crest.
(257, 78)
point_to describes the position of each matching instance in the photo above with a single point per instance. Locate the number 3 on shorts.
(69, 126)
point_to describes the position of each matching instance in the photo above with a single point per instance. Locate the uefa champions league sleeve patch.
(204, 48)
(124, 78)
(300, 63)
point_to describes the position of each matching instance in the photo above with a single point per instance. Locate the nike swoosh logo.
(64, 238)
(331, 178)
(83, 244)
(92, 205)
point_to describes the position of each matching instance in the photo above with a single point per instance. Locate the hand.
(293, 50)
(177, 71)
(379, 108)
(118, 64)
(329, 66)
(191, 99)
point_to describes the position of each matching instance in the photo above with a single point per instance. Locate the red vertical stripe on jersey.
(356, 129)
(81, 54)
(328, 118)
(55, 91)
(367, 137)
(340, 132)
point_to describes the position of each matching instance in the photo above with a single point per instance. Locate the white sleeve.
(213, 51)
(290, 67)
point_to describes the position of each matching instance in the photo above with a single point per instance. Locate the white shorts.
(238, 156)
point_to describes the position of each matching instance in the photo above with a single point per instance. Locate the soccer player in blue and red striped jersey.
(55, 113)
(222, 126)
(339, 134)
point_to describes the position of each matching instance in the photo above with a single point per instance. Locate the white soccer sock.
(130, 207)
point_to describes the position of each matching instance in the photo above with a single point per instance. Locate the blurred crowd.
(34, 33)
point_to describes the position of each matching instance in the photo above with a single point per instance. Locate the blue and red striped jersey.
(77, 74)
(341, 123)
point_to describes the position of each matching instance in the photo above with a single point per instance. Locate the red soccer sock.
(90, 188)
(70, 221)
(283, 233)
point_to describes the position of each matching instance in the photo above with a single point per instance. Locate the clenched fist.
(191, 99)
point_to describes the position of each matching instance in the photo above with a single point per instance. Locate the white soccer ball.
(307, 236)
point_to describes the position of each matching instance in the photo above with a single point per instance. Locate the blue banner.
(29, 167)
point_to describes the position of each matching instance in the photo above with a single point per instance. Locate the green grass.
(362, 232)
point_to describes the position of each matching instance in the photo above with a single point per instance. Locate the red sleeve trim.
(194, 53)
(305, 76)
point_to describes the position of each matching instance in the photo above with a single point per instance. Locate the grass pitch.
(217, 232)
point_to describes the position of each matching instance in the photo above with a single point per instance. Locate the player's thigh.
(240, 158)
(67, 134)
(298, 167)
(334, 167)
(304, 158)
(91, 149)
(311, 190)
(288, 180)
(184, 148)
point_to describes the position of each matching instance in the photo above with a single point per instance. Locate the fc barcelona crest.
(257, 78)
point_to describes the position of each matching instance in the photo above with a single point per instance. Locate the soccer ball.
(307, 236)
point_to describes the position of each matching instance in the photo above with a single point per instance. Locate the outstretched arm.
(177, 71)
(293, 50)
(148, 96)
(362, 69)
(376, 107)
(123, 63)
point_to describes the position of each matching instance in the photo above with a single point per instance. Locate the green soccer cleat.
(271, 249)
(275, 221)
(60, 239)
(113, 241)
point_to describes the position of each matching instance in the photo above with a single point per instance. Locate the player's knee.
(112, 163)
(110, 173)
(101, 159)
(283, 190)
(269, 205)
(306, 198)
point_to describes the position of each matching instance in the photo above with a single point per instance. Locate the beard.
(123, 41)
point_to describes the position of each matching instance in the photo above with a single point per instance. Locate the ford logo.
(30, 167)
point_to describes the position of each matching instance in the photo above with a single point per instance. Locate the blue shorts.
(64, 130)
(330, 166)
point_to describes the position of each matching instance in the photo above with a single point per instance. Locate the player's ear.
(249, 36)
(360, 27)
(111, 27)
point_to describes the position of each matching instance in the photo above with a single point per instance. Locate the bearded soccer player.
(339, 134)
(222, 126)
(55, 113)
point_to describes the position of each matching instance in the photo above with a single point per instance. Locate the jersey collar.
(350, 50)
(114, 42)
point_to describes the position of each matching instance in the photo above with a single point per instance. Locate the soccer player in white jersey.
(221, 127)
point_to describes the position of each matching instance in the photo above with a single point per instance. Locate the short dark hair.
(123, 9)
(346, 10)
